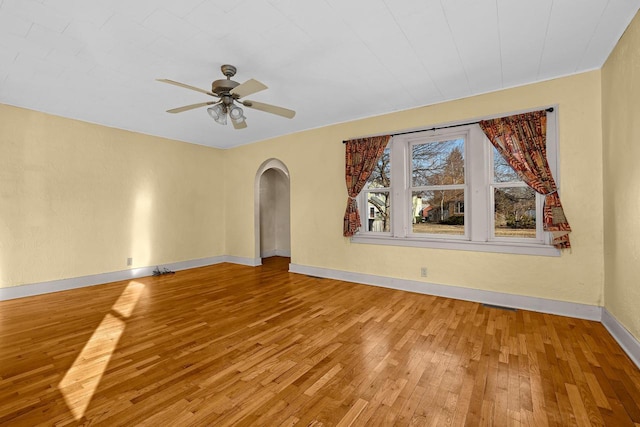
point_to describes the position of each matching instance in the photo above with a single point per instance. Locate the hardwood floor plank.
(579, 410)
(237, 345)
(353, 413)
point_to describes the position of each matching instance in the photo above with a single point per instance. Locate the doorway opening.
(272, 214)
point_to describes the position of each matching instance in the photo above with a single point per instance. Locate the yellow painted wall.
(315, 160)
(621, 148)
(77, 199)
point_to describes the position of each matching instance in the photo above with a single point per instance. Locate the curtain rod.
(548, 110)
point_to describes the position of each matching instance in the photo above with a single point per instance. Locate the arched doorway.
(272, 210)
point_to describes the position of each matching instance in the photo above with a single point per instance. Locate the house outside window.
(377, 196)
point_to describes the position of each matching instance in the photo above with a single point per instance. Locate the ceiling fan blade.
(240, 125)
(190, 107)
(247, 88)
(268, 108)
(186, 86)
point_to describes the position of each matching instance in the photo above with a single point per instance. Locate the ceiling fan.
(229, 94)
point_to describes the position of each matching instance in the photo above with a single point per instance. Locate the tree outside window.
(438, 186)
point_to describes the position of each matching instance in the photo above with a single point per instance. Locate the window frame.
(478, 205)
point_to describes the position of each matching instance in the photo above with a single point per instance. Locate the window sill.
(461, 245)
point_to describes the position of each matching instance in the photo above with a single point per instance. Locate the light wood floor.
(235, 345)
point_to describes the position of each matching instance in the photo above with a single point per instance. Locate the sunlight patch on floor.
(83, 377)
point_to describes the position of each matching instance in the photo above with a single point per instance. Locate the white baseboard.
(627, 341)
(580, 311)
(251, 262)
(98, 279)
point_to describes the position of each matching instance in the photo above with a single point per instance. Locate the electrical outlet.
(423, 272)
(129, 261)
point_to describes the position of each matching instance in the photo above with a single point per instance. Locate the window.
(451, 189)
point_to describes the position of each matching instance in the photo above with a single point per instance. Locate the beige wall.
(79, 199)
(315, 160)
(621, 143)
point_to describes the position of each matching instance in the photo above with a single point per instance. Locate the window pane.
(381, 175)
(379, 211)
(438, 212)
(515, 212)
(502, 171)
(438, 163)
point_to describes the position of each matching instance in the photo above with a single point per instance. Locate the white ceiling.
(330, 60)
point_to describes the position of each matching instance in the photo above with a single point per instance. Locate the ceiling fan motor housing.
(223, 86)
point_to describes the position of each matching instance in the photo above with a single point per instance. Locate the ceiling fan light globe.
(218, 113)
(221, 120)
(236, 114)
(239, 120)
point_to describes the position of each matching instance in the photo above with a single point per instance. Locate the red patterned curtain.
(361, 157)
(521, 139)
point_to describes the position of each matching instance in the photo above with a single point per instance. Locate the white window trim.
(478, 231)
